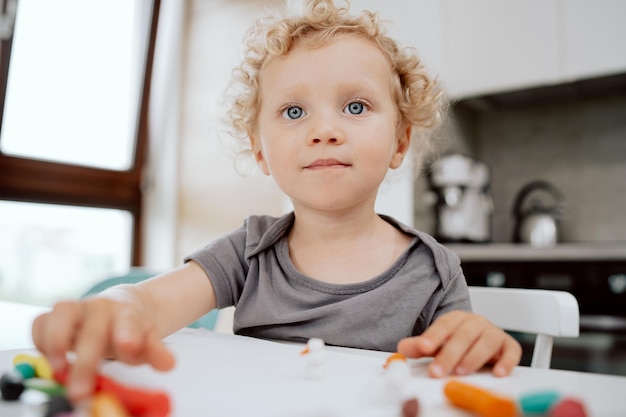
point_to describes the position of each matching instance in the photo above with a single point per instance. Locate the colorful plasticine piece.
(313, 345)
(33, 402)
(26, 369)
(316, 357)
(138, 402)
(58, 404)
(410, 408)
(568, 407)
(538, 402)
(47, 386)
(394, 357)
(479, 400)
(11, 385)
(29, 372)
(39, 363)
(107, 405)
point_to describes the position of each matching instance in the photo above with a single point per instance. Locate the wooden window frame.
(29, 180)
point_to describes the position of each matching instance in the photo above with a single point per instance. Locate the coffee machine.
(464, 205)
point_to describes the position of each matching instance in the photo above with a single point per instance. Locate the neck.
(315, 226)
(344, 248)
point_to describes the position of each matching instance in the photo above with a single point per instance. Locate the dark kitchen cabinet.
(599, 286)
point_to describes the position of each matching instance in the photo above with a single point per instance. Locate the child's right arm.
(126, 322)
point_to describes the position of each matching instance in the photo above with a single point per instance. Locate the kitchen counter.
(613, 251)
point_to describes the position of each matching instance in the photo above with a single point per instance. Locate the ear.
(258, 154)
(402, 146)
(260, 159)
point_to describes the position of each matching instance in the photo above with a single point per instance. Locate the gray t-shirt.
(250, 268)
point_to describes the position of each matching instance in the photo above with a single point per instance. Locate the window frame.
(36, 181)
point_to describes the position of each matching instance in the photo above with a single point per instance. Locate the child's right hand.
(94, 329)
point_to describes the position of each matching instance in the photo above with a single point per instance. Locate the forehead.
(347, 59)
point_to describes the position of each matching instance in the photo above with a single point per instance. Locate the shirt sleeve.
(448, 265)
(224, 263)
(456, 295)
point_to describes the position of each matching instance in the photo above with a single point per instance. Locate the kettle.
(536, 221)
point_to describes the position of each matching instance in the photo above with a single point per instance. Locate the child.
(328, 103)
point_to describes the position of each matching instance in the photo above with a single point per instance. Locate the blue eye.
(355, 108)
(293, 112)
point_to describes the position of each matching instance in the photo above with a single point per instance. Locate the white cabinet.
(494, 45)
(491, 46)
(594, 38)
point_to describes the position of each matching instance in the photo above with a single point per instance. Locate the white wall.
(161, 173)
(213, 197)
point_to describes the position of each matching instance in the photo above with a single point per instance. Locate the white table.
(226, 375)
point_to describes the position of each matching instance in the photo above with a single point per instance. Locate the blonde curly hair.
(418, 96)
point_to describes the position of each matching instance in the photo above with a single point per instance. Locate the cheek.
(385, 146)
(377, 159)
(275, 154)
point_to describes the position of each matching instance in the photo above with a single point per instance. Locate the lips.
(327, 163)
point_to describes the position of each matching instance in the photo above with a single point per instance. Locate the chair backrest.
(546, 313)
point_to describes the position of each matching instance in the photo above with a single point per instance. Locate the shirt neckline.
(286, 263)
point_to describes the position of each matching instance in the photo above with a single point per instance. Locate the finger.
(158, 355)
(56, 332)
(416, 347)
(37, 330)
(431, 341)
(487, 346)
(433, 338)
(91, 344)
(458, 345)
(510, 356)
(441, 329)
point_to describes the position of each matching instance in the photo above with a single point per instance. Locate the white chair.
(546, 313)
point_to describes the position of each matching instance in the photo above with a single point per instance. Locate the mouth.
(327, 163)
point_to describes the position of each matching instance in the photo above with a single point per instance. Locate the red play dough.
(568, 407)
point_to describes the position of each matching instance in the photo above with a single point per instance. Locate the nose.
(326, 129)
(332, 140)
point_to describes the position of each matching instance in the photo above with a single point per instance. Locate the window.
(74, 83)
(52, 251)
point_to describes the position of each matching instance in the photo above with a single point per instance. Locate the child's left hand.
(461, 343)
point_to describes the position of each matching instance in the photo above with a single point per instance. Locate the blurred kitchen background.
(113, 155)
